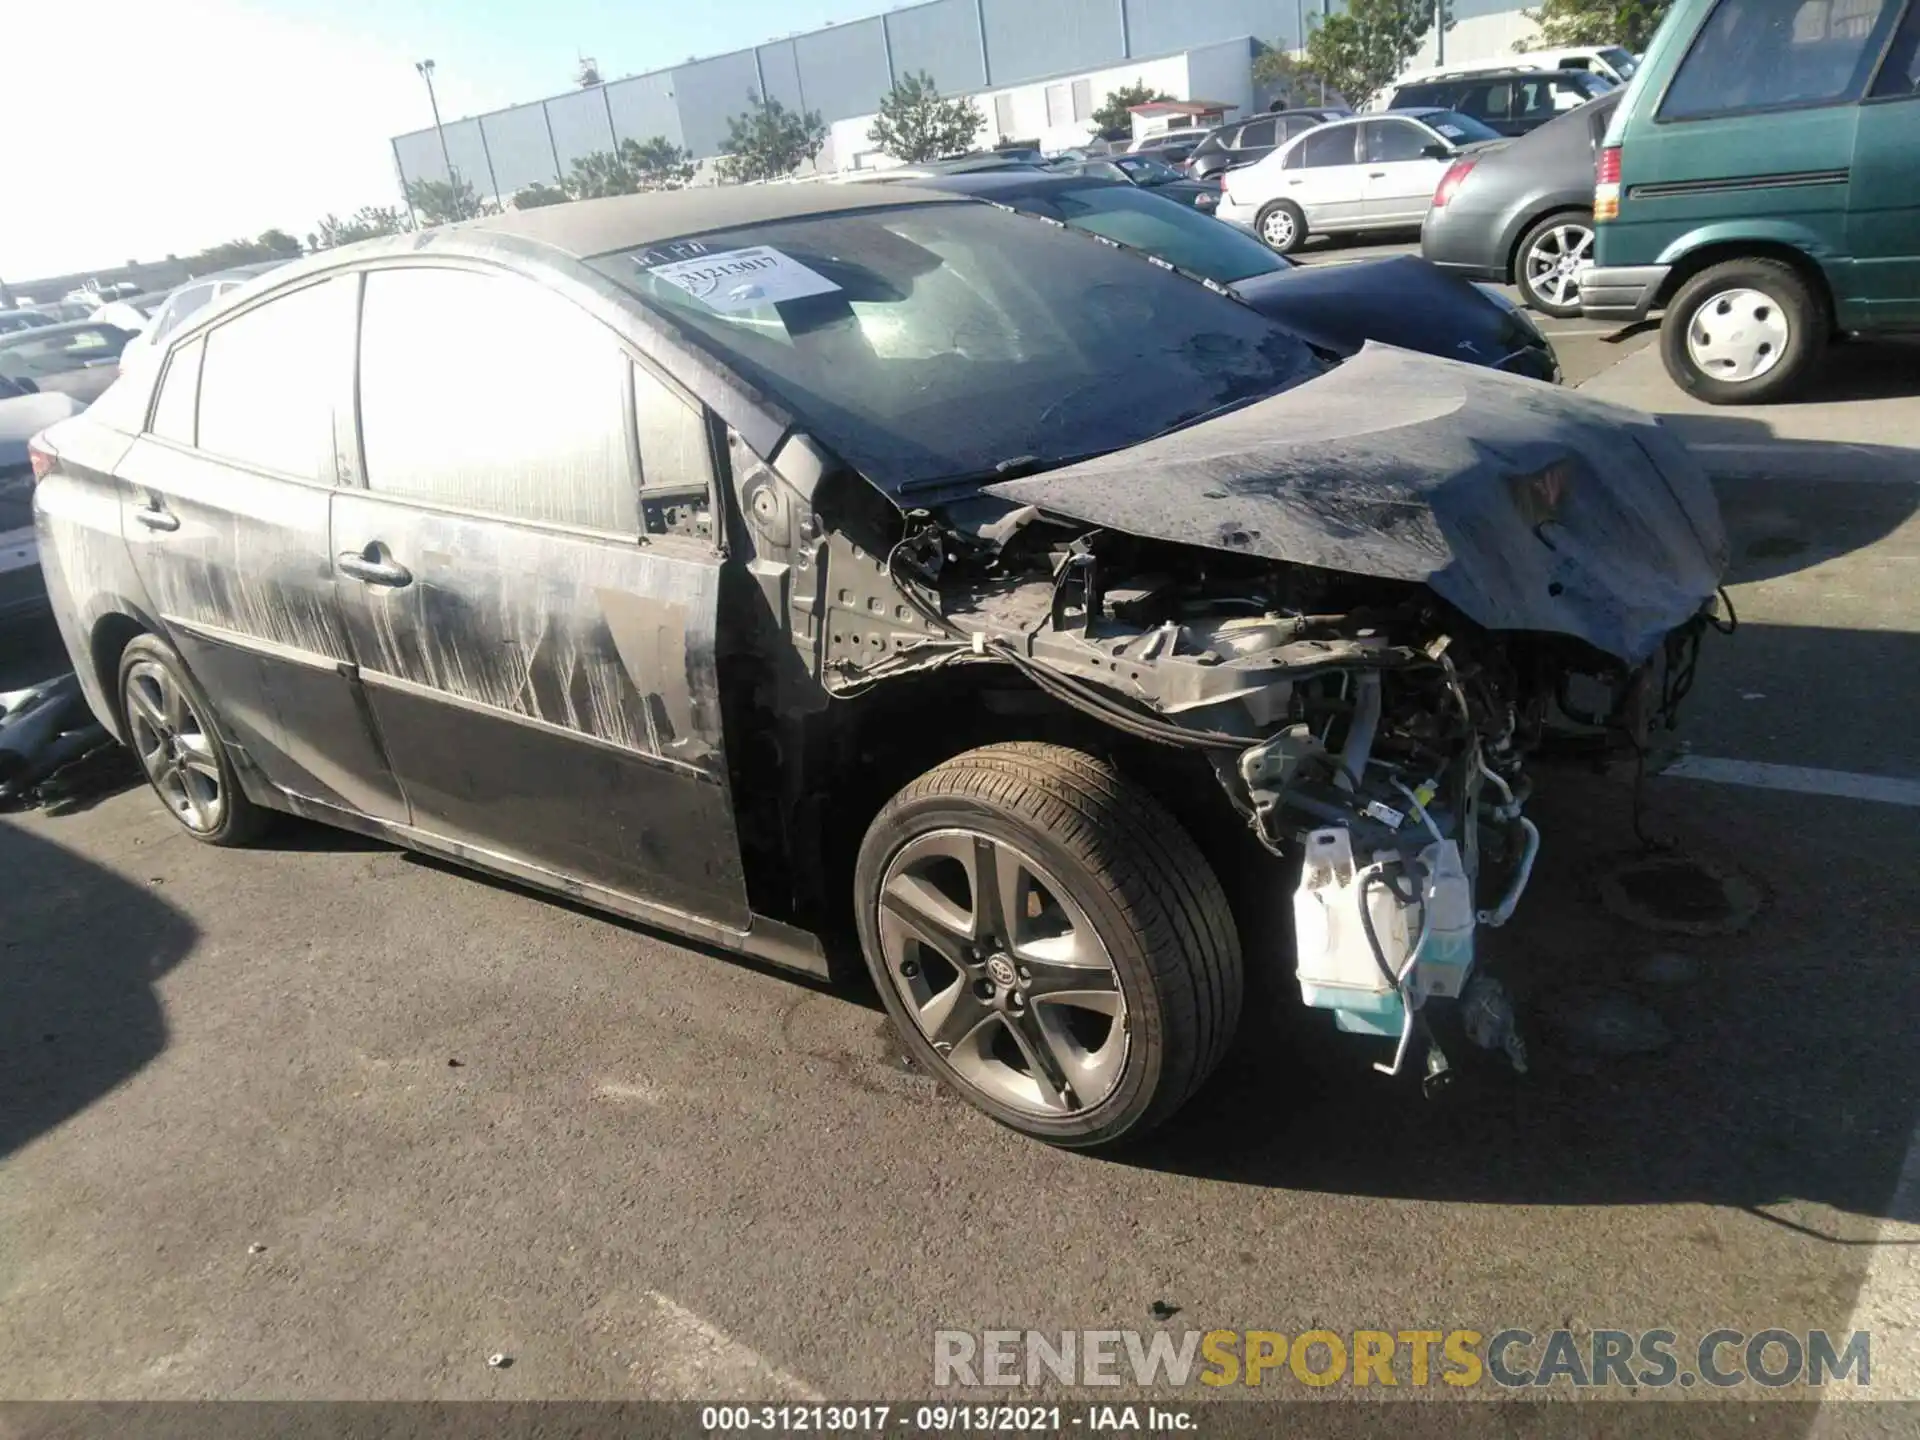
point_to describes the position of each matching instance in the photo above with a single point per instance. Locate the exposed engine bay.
(1366, 643)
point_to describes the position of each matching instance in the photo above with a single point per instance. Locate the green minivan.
(1761, 182)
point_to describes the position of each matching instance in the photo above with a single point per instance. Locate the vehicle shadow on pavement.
(79, 1015)
(1864, 370)
(1780, 526)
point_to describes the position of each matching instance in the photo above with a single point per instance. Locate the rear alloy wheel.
(1048, 942)
(169, 727)
(1743, 332)
(1283, 225)
(1552, 255)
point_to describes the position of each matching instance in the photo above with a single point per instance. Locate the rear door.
(534, 624)
(226, 520)
(1323, 178)
(1883, 206)
(1401, 176)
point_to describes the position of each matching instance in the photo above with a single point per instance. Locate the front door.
(535, 631)
(1883, 204)
(226, 519)
(1323, 179)
(1401, 176)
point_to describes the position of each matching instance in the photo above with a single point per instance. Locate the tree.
(1627, 23)
(1115, 112)
(442, 201)
(536, 195)
(1289, 74)
(365, 223)
(630, 167)
(269, 245)
(1364, 46)
(768, 141)
(916, 124)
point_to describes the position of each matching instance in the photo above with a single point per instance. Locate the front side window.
(488, 394)
(273, 379)
(1389, 141)
(1900, 71)
(1332, 146)
(934, 343)
(1259, 134)
(1771, 54)
(179, 395)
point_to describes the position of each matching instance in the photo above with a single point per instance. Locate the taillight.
(1450, 182)
(1606, 184)
(41, 458)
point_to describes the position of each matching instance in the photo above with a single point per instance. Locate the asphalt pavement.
(326, 1119)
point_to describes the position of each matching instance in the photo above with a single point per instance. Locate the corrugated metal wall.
(644, 107)
(1158, 27)
(942, 39)
(707, 92)
(1026, 41)
(781, 74)
(844, 69)
(518, 145)
(580, 127)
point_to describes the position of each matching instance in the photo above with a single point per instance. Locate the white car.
(1609, 62)
(1371, 172)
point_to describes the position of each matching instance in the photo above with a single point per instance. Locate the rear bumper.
(1462, 244)
(1620, 292)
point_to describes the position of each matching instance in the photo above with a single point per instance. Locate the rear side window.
(1392, 140)
(1409, 96)
(1900, 72)
(179, 395)
(274, 378)
(1333, 146)
(489, 394)
(1773, 54)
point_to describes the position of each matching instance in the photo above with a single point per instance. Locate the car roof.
(586, 228)
(989, 184)
(1507, 72)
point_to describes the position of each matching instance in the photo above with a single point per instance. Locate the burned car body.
(887, 546)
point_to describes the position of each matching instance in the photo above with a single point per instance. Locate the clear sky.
(138, 128)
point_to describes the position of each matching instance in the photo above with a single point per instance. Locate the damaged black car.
(780, 564)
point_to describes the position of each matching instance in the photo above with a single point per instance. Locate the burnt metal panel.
(519, 147)
(942, 39)
(1164, 27)
(643, 107)
(1029, 42)
(553, 696)
(579, 126)
(707, 92)
(844, 69)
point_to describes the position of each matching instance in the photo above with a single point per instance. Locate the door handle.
(157, 517)
(1376, 175)
(374, 566)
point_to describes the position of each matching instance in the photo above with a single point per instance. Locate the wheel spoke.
(1071, 981)
(1036, 1044)
(999, 895)
(143, 703)
(175, 702)
(954, 1016)
(929, 917)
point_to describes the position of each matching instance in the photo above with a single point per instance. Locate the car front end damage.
(1365, 602)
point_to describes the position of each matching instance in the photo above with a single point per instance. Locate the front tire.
(1283, 225)
(170, 729)
(1548, 262)
(1744, 332)
(1049, 942)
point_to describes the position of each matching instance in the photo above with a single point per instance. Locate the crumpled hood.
(1524, 506)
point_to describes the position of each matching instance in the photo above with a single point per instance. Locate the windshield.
(1143, 171)
(1621, 62)
(1178, 234)
(1460, 129)
(938, 341)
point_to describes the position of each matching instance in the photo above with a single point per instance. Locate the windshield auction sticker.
(743, 279)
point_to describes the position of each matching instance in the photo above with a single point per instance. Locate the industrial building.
(1035, 69)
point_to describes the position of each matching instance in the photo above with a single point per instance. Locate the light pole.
(425, 67)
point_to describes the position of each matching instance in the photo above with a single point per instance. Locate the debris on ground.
(1677, 894)
(52, 751)
(499, 1362)
(256, 1248)
(1163, 1310)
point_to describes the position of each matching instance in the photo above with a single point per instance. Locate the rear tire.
(1282, 225)
(1548, 261)
(1090, 985)
(171, 731)
(1744, 332)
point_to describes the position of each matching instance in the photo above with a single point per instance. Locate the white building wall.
(1222, 72)
(1492, 36)
(848, 147)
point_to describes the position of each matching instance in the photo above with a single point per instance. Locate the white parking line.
(1800, 779)
(686, 1358)
(1888, 1301)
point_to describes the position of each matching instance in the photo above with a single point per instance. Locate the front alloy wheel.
(1049, 942)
